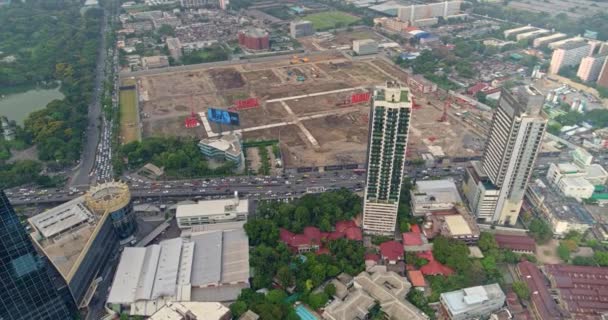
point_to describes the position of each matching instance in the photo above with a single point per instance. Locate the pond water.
(17, 106)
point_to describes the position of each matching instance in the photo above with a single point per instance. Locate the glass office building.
(28, 287)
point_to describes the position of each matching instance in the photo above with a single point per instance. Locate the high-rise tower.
(28, 289)
(389, 126)
(495, 186)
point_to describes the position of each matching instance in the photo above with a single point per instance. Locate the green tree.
(540, 230)
(285, 277)
(276, 296)
(317, 300)
(330, 290)
(237, 308)
(521, 290)
(262, 231)
(601, 257)
(487, 242)
(563, 252)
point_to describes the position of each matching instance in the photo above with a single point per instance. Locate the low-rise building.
(254, 39)
(154, 62)
(420, 84)
(311, 239)
(391, 24)
(582, 290)
(474, 302)
(301, 28)
(365, 46)
(175, 48)
(384, 287)
(192, 310)
(456, 224)
(576, 187)
(206, 266)
(544, 306)
(434, 195)
(516, 243)
(391, 252)
(223, 148)
(563, 213)
(212, 211)
(415, 241)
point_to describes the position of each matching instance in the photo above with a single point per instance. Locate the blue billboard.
(223, 116)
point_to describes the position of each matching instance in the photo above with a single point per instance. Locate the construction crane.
(444, 115)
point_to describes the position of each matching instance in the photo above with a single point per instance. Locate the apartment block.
(590, 67)
(569, 54)
(389, 128)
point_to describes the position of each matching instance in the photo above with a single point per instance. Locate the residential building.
(212, 211)
(433, 267)
(568, 54)
(389, 128)
(175, 48)
(415, 241)
(543, 41)
(391, 24)
(417, 14)
(496, 185)
(576, 187)
(512, 32)
(582, 290)
(154, 62)
(312, 238)
(391, 252)
(80, 236)
(226, 147)
(224, 4)
(602, 78)
(254, 39)
(301, 28)
(385, 287)
(473, 302)
(365, 46)
(457, 224)
(516, 243)
(556, 44)
(194, 3)
(543, 304)
(416, 279)
(531, 34)
(29, 286)
(192, 310)
(590, 67)
(206, 265)
(577, 179)
(429, 196)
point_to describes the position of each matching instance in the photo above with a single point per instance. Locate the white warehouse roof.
(212, 207)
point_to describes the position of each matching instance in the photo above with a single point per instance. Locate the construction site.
(316, 106)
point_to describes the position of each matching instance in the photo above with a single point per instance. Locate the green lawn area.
(328, 20)
(129, 128)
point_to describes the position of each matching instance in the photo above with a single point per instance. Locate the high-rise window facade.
(389, 127)
(27, 289)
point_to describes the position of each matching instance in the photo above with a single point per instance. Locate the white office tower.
(495, 186)
(389, 126)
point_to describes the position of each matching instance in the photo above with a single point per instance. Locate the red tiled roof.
(313, 233)
(416, 278)
(391, 250)
(412, 239)
(372, 257)
(354, 233)
(583, 289)
(513, 242)
(323, 251)
(434, 267)
(477, 87)
(342, 225)
(544, 304)
(333, 235)
(415, 228)
(285, 235)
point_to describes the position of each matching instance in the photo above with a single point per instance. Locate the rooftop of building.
(191, 310)
(515, 242)
(313, 236)
(577, 182)
(584, 290)
(438, 191)
(392, 92)
(568, 168)
(255, 32)
(460, 301)
(229, 143)
(386, 287)
(416, 278)
(212, 207)
(458, 225)
(433, 267)
(539, 288)
(365, 41)
(560, 207)
(64, 231)
(391, 250)
(172, 269)
(595, 171)
(572, 45)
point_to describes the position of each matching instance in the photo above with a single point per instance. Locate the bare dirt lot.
(301, 104)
